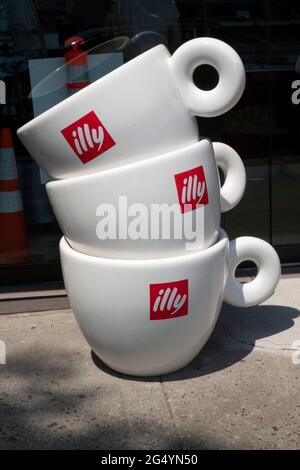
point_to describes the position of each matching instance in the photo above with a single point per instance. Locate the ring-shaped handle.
(233, 188)
(229, 66)
(268, 272)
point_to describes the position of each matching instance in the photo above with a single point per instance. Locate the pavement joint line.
(170, 411)
(166, 399)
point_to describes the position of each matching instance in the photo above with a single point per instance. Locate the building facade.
(263, 127)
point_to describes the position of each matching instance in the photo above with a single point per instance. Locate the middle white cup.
(146, 209)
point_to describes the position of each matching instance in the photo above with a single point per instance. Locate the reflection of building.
(263, 127)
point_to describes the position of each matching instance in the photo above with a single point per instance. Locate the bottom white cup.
(152, 317)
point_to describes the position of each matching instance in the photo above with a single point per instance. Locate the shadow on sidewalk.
(48, 403)
(233, 339)
(55, 400)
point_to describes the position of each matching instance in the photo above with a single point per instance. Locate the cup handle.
(235, 176)
(268, 272)
(229, 66)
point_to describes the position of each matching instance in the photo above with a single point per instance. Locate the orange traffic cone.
(77, 65)
(13, 244)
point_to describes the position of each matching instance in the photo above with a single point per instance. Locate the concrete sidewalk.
(242, 391)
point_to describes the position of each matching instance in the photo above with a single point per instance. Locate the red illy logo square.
(169, 300)
(191, 189)
(88, 137)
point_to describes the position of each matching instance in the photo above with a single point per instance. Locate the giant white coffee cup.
(144, 108)
(152, 317)
(152, 208)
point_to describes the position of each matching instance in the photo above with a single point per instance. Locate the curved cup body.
(152, 317)
(113, 302)
(137, 111)
(149, 209)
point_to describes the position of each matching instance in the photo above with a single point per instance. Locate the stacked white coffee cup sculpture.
(131, 177)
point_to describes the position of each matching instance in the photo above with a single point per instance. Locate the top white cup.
(142, 109)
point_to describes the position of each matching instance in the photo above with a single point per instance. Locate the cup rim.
(127, 167)
(169, 261)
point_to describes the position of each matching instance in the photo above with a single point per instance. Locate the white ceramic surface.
(144, 108)
(158, 181)
(152, 317)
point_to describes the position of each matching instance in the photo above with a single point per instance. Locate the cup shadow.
(232, 340)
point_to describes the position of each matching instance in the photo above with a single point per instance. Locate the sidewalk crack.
(254, 345)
